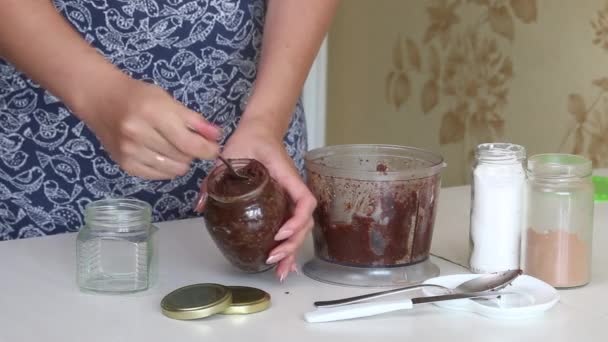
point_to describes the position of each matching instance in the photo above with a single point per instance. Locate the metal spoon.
(487, 282)
(232, 171)
(226, 162)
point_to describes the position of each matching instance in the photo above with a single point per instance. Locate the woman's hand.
(141, 126)
(255, 139)
(146, 131)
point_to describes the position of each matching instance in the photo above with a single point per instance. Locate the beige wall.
(446, 75)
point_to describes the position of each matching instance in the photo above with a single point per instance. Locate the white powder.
(497, 216)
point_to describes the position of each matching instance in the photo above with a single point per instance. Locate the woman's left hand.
(254, 138)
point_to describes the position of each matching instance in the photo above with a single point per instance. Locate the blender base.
(327, 272)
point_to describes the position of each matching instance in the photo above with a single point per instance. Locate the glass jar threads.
(558, 235)
(116, 248)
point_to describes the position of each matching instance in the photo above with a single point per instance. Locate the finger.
(201, 200)
(305, 205)
(290, 179)
(187, 141)
(302, 198)
(157, 143)
(290, 246)
(295, 268)
(284, 267)
(161, 163)
(206, 129)
(203, 127)
(144, 171)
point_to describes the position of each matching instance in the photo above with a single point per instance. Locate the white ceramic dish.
(532, 297)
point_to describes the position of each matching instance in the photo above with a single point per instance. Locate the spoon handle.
(356, 299)
(376, 308)
(357, 310)
(231, 169)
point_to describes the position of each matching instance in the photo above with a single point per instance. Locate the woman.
(104, 98)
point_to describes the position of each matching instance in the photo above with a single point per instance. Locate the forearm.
(41, 43)
(293, 33)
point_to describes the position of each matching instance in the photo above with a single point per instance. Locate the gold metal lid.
(196, 301)
(247, 300)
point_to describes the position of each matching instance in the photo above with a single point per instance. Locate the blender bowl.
(375, 214)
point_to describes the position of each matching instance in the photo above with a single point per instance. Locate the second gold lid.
(247, 300)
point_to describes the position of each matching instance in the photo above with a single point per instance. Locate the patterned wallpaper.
(447, 75)
(588, 134)
(476, 71)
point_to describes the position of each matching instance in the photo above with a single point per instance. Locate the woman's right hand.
(140, 125)
(146, 131)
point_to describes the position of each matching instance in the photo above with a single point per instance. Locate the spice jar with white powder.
(497, 207)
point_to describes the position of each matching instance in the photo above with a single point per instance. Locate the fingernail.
(282, 277)
(295, 268)
(200, 202)
(219, 132)
(283, 234)
(273, 259)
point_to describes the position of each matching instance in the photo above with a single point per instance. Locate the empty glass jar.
(116, 247)
(558, 235)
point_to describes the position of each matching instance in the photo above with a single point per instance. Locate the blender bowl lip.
(313, 157)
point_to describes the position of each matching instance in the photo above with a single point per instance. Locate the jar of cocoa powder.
(558, 234)
(244, 215)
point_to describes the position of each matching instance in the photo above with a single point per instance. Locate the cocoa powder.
(557, 257)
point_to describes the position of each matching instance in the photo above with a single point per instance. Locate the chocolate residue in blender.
(227, 185)
(391, 223)
(382, 168)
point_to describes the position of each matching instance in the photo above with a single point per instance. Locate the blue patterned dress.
(204, 52)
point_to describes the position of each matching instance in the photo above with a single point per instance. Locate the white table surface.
(39, 300)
